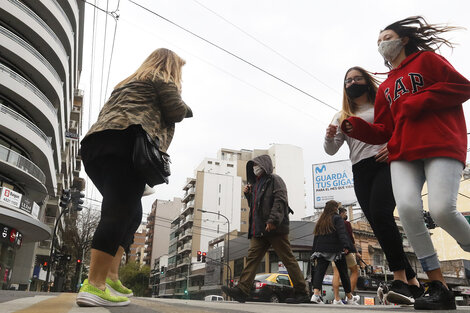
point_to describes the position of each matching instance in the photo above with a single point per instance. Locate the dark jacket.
(335, 241)
(267, 199)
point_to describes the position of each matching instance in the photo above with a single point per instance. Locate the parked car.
(213, 298)
(271, 287)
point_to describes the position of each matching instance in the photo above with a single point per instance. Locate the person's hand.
(331, 131)
(346, 251)
(358, 255)
(269, 227)
(382, 155)
(247, 189)
(347, 126)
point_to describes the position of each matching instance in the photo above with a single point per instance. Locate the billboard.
(333, 181)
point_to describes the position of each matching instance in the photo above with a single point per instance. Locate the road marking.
(18, 304)
(60, 304)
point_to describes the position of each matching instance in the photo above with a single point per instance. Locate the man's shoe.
(400, 293)
(316, 299)
(417, 291)
(339, 302)
(89, 295)
(299, 298)
(236, 293)
(118, 289)
(436, 297)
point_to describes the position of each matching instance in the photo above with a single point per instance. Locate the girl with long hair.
(372, 182)
(148, 100)
(330, 243)
(418, 111)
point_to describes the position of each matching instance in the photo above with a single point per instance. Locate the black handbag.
(149, 162)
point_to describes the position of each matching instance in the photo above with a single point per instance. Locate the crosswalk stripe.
(60, 304)
(18, 304)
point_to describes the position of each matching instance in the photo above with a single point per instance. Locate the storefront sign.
(333, 181)
(369, 301)
(10, 197)
(26, 205)
(10, 235)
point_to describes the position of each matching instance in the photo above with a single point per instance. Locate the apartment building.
(158, 229)
(40, 110)
(137, 248)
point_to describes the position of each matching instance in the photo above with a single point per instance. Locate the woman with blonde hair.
(147, 101)
(372, 182)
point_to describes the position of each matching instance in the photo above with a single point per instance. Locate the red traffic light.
(204, 254)
(199, 252)
(79, 261)
(199, 256)
(45, 264)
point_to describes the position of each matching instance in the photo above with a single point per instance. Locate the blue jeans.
(443, 180)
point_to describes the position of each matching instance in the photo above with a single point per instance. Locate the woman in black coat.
(331, 243)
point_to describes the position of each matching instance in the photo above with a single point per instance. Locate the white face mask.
(257, 170)
(390, 49)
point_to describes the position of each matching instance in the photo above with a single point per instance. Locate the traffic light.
(199, 256)
(45, 264)
(79, 261)
(162, 270)
(231, 283)
(77, 200)
(203, 257)
(68, 257)
(428, 220)
(65, 198)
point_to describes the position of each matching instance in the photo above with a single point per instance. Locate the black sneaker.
(436, 297)
(236, 293)
(299, 298)
(400, 293)
(416, 291)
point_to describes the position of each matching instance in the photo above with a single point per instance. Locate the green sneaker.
(117, 288)
(89, 295)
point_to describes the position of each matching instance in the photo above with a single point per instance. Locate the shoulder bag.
(151, 163)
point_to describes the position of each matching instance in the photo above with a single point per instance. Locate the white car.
(213, 298)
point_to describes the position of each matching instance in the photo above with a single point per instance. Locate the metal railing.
(30, 48)
(28, 85)
(27, 123)
(30, 12)
(21, 162)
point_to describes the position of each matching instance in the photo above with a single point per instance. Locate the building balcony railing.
(28, 85)
(6, 110)
(43, 24)
(15, 159)
(64, 15)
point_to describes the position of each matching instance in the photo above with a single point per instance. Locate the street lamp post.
(228, 241)
(52, 248)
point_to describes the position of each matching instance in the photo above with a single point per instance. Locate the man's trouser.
(258, 248)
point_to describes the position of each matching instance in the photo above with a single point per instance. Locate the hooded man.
(266, 193)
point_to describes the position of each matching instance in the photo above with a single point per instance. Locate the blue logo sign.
(320, 169)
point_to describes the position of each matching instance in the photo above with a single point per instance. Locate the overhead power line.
(232, 54)
(266, 46)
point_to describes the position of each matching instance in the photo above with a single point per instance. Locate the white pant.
(443, 180)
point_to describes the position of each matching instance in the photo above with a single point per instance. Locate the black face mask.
(355, 90)
(345, 217)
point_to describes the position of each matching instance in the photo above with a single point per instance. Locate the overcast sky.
(309, 44)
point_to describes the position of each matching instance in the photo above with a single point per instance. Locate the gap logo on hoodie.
(415, 81)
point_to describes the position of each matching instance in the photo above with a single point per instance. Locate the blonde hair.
(349, 107)
(161, 63)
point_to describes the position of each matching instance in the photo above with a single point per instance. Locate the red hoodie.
(418, 110)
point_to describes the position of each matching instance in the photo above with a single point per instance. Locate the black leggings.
(373, 187)
(320, 270)
(116, 180)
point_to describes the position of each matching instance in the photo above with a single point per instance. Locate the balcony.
(39, 69)
(33, 140)
(187, 233)
(188, 219)
(183, 261)
(189, 194)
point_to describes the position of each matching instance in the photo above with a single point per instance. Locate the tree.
(136, 277)
(80, 228)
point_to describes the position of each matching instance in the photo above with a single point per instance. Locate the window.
(220, 188)
(217, 163)
(283, 280)
(209, 162)
(238, 267)
(229, 165)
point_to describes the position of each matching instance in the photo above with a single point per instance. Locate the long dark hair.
(421, 34)
(325, 222)
(349, 107)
